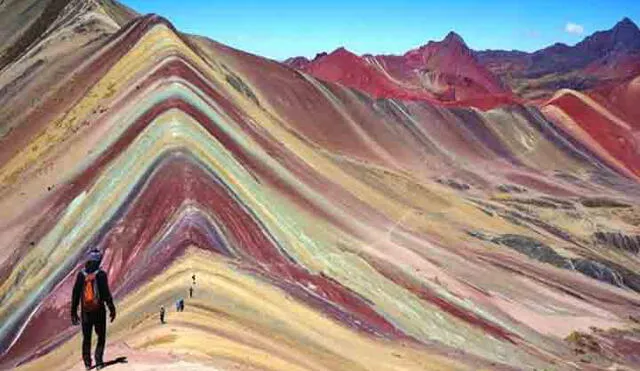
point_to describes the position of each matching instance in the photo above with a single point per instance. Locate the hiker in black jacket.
(91, 291)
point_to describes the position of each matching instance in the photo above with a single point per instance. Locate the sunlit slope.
(232, 319)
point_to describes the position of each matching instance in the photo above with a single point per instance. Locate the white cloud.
(574, 28)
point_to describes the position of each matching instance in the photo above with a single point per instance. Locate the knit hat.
(94, 255)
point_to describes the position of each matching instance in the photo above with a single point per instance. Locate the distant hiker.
(190, 292)
(180, 305)
(162, 315)
(194, 278)
(91, 291)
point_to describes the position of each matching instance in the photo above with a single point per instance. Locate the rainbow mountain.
(328, 230)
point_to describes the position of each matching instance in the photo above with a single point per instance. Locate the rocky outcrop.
(533, 249)
(602, 202)
(618, 240)
(544, 202)
(601, 270)
(460, 186)
(511, 188)
(598, 270)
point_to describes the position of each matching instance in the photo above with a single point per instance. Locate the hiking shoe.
(100, 366)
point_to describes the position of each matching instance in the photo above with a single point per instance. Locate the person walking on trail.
(162, 315)
(190, 292)
(91, 292)
(180, 305)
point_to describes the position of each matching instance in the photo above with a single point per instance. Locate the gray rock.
(619, 240)
(598, 270)
(479, 235)
(454, 184)
(601, 270)
(533, 249)
(510, 188)
(602, 202)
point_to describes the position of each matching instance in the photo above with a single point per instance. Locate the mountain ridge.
(445, 71)
(518, 70)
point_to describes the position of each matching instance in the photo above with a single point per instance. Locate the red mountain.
(445, 71)
(447, 66)
(358, 72)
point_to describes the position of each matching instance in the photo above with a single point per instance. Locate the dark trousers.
(93, 320)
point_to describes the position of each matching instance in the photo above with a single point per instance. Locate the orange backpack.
(90, 294)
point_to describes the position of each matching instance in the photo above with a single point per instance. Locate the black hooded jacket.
(103, 290)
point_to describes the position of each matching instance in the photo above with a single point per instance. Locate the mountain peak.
(626, 26)
(297, 62)
(626, 21)
(343, 52)
(453, 38)
(626, 33)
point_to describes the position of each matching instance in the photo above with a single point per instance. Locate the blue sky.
(282, 28)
